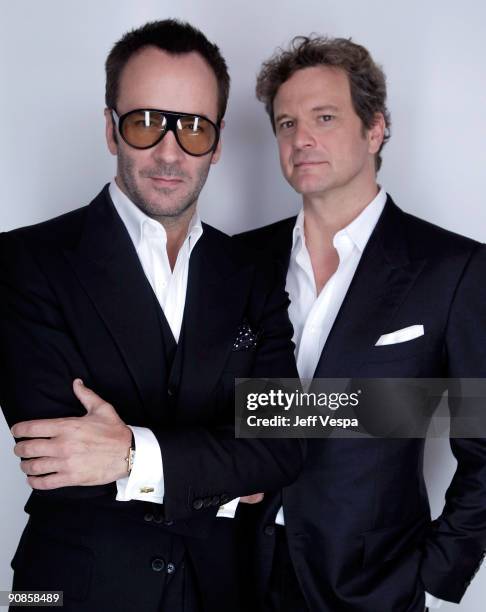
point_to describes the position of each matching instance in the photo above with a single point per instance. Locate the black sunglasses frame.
(172, 119)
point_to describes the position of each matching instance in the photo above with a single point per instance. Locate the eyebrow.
(325, 107)
(280, 117)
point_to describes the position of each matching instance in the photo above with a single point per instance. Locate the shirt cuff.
(432, 602)
(228, 510)
(146, 480)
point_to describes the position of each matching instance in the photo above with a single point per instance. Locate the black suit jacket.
(358, 518)
(76, 303)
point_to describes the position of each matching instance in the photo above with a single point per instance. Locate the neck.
(327, 213)
(176, 226)
(324, 215)
(176, 229)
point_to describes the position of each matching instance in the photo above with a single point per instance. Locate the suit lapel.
(281, 242)
(217, 293)
(107, 265)
(383, 278)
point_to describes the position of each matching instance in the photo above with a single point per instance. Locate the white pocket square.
(401, 335)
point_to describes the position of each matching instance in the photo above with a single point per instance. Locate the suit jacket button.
(269, 530)
(158, 565)
(197, 504)
(215, 501)
(157, 518)
(170, 392)
(207, 502)
(148, 517)
(171, 568)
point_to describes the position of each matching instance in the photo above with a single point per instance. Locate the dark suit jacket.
(76, 303)
(358, 519)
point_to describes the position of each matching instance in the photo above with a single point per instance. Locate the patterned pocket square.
(246, 338)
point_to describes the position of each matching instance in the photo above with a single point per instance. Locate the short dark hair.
(366, 78)
(175, 37)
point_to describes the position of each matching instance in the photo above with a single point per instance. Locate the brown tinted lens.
(143, 128)
(196, 134)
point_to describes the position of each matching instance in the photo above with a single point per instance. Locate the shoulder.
(33, 246)
(57, 230)
(25, 250)
(428, 239)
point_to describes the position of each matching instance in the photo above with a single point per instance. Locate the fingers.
(86, 396)
(256, 498)
(41, 428)
(44, 483)
(35, 448)
(90, 400)
(39, 466)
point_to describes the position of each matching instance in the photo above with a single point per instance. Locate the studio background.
(53, 156)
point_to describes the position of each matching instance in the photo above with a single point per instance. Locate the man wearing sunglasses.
(156, 313)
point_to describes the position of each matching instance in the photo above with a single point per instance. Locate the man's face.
(322, 144)
(163, 181)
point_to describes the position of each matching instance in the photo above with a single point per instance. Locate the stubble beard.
(153, 209)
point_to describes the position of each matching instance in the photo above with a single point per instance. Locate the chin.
(309, 187)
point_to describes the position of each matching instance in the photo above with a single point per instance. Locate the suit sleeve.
(38, 357)
(207, 467)
(457, 542)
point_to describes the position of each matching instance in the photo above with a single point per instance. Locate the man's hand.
(73, 451)
(256, 498)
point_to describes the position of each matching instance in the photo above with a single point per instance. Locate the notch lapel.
(107, 265)
(381, 282)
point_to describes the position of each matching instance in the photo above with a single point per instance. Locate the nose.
(303, 137)
(168, 149)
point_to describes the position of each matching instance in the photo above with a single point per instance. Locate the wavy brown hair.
(366, 78)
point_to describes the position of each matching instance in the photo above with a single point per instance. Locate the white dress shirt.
(146, 480)
(313, 315)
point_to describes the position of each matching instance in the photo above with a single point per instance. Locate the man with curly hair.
(375, 293)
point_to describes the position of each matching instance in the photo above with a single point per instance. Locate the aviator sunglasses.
(143, 128)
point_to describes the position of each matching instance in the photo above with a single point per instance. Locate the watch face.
(129, 459)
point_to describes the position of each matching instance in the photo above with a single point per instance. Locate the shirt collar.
(136, 221)
(360, 228)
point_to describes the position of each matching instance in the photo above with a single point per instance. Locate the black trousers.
(284, 592)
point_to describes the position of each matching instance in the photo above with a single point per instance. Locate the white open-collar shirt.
(312, 315)
(146, 480)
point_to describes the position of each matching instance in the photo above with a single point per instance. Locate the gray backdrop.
(53, 156)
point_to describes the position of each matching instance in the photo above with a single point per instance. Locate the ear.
(217, 153)
(110, 134)
(376, 133)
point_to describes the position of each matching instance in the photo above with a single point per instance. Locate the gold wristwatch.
(130, 458)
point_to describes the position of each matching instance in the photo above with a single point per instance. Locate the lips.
(305, 164)
(162, 180)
